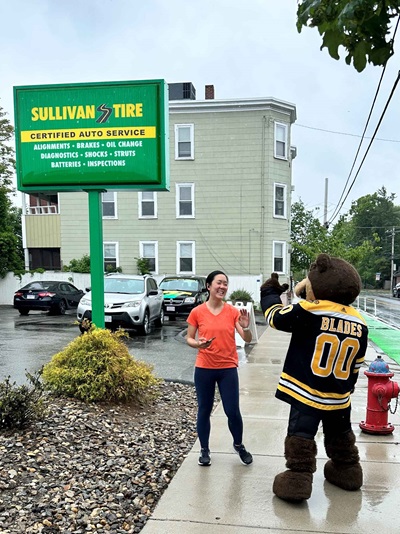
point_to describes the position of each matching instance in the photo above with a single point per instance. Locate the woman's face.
(218, 287)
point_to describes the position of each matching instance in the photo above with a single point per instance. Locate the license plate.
(170, 308)
(107, 319)
(31, 296)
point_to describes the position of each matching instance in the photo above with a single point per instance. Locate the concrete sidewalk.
(230, 498)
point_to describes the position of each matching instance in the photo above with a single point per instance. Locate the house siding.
(234, 171)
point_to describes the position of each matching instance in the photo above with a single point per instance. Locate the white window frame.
(284, 248)
(141, 252)
(116, 244)
(278, 128)
(178, 128)
(178, 257)
(276, 214)
(141, 200)
(114, 201)
(178, 200)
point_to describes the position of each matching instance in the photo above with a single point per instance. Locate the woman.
(215, 323)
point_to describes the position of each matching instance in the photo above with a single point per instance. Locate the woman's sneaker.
(204, 458)
(245, 457)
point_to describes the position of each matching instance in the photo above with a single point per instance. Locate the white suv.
(130, 301)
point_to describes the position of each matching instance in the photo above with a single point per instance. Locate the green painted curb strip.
(385, 337)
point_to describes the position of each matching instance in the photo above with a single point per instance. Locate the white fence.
(10, 284)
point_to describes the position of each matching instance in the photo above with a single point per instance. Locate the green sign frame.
(92, 136)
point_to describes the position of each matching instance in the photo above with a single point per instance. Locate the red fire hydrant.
(380, 390)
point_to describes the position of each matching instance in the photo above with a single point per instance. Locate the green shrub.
(143, 265)
(20, 406)
(240, 295)
(78, 266)
(97, 366)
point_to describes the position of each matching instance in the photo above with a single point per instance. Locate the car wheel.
(145, 328)
(60, 308)
(23, 312)
(160, 320)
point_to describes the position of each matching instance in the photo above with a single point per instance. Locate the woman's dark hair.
(211, 277)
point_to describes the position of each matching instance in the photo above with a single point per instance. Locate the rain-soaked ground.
(28, 342)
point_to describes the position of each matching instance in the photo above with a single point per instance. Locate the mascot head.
(334, 279)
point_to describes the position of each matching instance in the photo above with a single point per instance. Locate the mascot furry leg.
(295, 484)
(343, 469)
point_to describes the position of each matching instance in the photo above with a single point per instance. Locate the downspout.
(262, 207)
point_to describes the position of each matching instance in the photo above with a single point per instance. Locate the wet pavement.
(29, 342)
(229, 498)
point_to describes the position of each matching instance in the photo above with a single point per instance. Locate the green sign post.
(92, 137)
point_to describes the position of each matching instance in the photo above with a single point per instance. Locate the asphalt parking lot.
(28, 342)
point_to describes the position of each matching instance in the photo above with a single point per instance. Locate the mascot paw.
(293, 486)
(346, 476)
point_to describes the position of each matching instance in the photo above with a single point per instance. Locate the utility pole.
(326, 203)
(392, 262)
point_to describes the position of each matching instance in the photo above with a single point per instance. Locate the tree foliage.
(362, 27)
(11, 252)
(363, 236)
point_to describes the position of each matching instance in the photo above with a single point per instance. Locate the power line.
(345, 133)
(369, 146)
(340, 202)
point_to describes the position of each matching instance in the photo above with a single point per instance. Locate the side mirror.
(153, 293)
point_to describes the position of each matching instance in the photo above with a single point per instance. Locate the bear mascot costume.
(272, 286)
(327, 348)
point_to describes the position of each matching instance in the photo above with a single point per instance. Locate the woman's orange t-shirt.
(222, 353)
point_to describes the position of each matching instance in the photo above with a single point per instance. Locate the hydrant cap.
(379, 366)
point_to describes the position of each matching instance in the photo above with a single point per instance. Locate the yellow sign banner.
(126, 132)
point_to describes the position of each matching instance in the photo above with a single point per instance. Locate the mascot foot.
(345, 476)
(293, 486)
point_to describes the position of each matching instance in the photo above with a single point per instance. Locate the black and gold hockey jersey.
(326, 350)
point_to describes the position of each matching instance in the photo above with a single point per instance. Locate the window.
(147, 205)
(185, 257)
(280, 140)
(149, 250)
(279, 260)
(185, 200)
(110, 251)
(184, 141)
(280, 200)
(109, 204)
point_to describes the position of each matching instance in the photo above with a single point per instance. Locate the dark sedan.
(182, 294)
(54, 297)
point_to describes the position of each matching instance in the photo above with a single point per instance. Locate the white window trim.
(284, 253)
(191, 126)
(284, 186)
(140, 205)
(178, 244)
(141, 252)
(116, 251)
(177, 199)
(285, 126)
(115, 216)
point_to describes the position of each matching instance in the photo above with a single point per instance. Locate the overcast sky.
(245, 49)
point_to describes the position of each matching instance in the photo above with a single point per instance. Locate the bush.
(240, 295)
(143, 265)
(97, 366)
(21, 405)
(78, 266)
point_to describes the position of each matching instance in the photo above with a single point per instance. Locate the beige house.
(228, 206)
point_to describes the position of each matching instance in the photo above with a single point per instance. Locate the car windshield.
(179, 285)
(131, 286)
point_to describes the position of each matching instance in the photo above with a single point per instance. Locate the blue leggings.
(228, 385)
